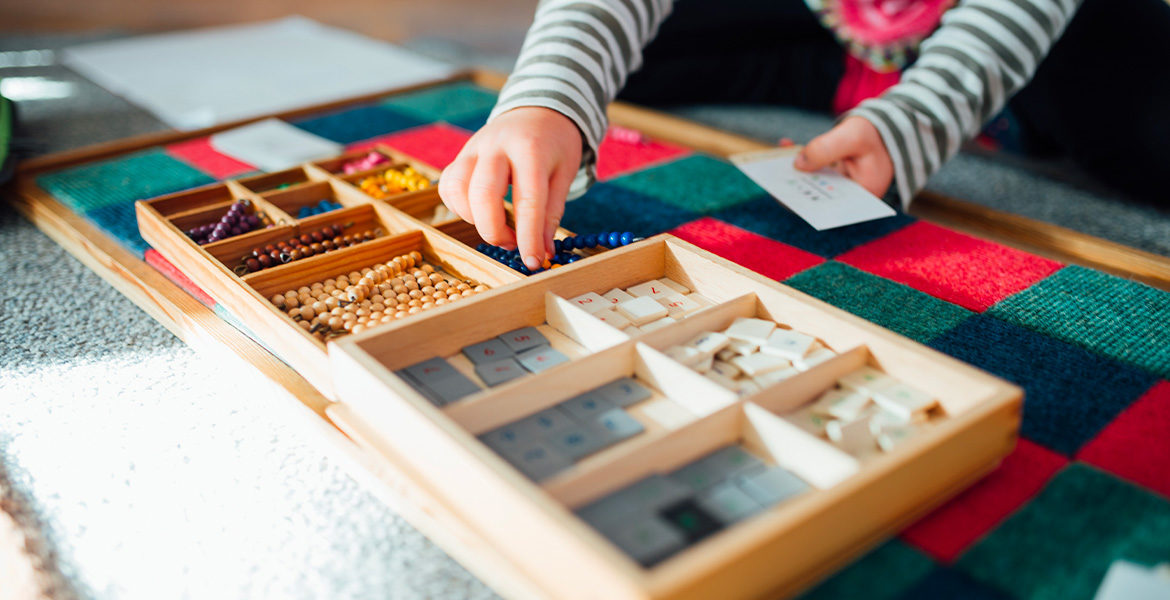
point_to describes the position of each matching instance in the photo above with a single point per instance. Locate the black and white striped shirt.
(578, 54)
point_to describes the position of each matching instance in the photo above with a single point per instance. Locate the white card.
(273, 145)
(825, 198)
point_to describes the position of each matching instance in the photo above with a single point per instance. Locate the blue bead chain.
(563, 249)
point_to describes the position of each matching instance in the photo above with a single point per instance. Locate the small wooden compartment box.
(852, 500)
(218, 267)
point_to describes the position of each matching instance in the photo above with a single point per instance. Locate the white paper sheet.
(273, 145)
(825, 198)
(205, 77)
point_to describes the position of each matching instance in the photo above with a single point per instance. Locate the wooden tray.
(857, 499)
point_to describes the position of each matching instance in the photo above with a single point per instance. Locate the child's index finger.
(529, 202)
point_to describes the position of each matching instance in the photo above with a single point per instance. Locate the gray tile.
(655, 492)
(453, 387)
(772, 486)
(537, 459)
(430, 370)
(487, 351)
(586, 407)
(624, 392)
(508, 438)
(523, 339)
(431, 396)
(648, 539)
(546, 421)
(697, 476)
(728, 503)
(541, 358)
(732, 460)
(578, 441)
(500, 371)
(618, 425)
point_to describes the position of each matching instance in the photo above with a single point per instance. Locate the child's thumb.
(822, 151)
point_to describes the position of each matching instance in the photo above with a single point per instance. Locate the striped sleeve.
(983, 52)
(575, 59)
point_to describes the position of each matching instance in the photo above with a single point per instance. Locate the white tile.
(742, 348)
(641, 310)
(591, 302)
(709, 342)
(700, 299)
(677, 305)
(727, 354)
(853, 437)
(650, 288)
(726, 369)
(612, 318)
(755, 331)
(722, 380)
(744, 387)
(704, 365)
(814, 358)
(759, 363)
(686, 355)
(676, 286)
(617, 296)
(843, 404)
(788, 343)
(866, 380)
(659, 324)
(903, 401)
(766, 379)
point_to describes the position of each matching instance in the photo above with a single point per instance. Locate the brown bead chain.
(383, 293)
(326, 239)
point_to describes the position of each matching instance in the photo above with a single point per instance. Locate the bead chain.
(326, 239)
(237, 221)
(397, 289)
(563, 250)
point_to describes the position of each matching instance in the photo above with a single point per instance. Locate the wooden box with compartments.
(320, 223)
(657, 422)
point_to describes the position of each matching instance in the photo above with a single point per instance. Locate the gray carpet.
(138, 469)
(141, 469)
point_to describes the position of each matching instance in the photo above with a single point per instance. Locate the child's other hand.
(538, 151)
(853, 148)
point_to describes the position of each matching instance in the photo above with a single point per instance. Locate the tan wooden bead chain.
(350, 303)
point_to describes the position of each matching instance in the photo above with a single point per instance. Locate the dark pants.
(1101, 97)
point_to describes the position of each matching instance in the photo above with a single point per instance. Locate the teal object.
(699, 184)
(897, 307)
(887, 572)
(1124, 320)
(7, 123)
(138, 176)
(1059, 545)
(455, 102)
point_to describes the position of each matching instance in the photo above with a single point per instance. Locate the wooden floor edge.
(1044, 239)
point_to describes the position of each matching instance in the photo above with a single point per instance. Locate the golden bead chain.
(351, 303)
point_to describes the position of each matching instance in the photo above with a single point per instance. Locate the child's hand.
(538, 151)
(855, 149)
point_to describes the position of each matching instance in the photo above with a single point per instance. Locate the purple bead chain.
(237, 221)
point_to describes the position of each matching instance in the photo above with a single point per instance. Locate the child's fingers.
(453, 185)
(485, 196)
(558, 192)
(834, 145)
(530, 180)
